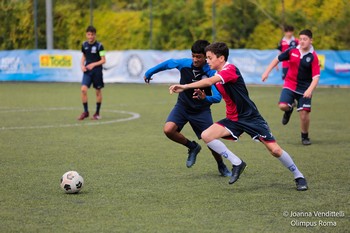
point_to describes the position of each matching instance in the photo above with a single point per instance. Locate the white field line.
(133, 116)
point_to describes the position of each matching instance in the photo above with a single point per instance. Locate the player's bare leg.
(170, 130)
(304, 125)
(288, 110)
(84, 99)
(211, 137)
(97, 116)
(288, 162)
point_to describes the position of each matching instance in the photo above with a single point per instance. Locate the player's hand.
(307, 94)
(83, 68)
(176, 88)
(199, 94)
(90, 66)
(264, 76)
(147, 80)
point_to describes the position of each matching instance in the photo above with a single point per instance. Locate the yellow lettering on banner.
(322, 60)
(56, 61)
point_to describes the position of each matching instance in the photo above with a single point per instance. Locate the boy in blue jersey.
(193, 105)
(91, 64)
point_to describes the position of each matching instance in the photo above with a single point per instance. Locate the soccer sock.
(288, 162)
(190, 145)
(85, 107)
(220, 148)
(98, 106)
(304, 135)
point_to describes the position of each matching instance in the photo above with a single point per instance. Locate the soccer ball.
(72, 182)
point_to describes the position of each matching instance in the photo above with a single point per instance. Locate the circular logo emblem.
(135, 66)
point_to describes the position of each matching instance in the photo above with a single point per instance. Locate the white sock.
(287, 161)
(220, 148)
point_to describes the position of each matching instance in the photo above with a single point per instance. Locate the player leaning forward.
(241, 115)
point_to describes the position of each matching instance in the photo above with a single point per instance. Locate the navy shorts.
(257, 128)
(288, 97)
(93, 77)
(199, 121)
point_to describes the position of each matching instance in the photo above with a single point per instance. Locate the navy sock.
(304, 135)
(190, 145)
(85, 107)
(98, 106)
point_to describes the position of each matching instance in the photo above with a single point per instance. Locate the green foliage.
(176, 24)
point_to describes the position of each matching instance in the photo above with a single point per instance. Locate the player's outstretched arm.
(200, 84)
(265, 75)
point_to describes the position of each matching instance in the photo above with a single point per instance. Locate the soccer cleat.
(301, 184)
(223, 170)
(306, 141)
(286, 116)
(237, 171)
(96, 117)
(192, 155)
(83, 116)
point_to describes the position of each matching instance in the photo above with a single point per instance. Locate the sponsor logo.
(56, 61)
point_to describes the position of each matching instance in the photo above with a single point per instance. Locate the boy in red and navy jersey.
(300, 82)
(242, 115)
(288, 41)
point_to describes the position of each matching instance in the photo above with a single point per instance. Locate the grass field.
(136, 179)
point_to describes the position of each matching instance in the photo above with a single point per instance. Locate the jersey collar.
(311, 50)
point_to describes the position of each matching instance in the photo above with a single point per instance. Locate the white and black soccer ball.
(72, 182)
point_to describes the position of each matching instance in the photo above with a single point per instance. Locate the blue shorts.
(93, 77)
(288, 97)
(199, 121)
(257, 128)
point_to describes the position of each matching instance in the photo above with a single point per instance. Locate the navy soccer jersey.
(189, 74)
(93, 52)
(303, 67)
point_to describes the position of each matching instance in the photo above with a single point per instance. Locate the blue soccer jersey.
(189, 74)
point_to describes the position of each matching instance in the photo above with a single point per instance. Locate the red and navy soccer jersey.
(285, 44)
(302, 69)
(234, 92)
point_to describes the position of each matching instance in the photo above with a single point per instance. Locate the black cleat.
(192, 155)
(301, 184)
(286, 116)
(306, 141)
(223, 170)
(237, 171)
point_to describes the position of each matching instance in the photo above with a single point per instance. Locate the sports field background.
(136, 179)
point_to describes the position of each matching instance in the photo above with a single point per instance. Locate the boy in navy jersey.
(285, 43)
(241, 115)
(192, 106)
(91, 64)
(300, 82)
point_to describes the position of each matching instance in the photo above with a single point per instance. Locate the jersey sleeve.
(228, 74)
(215, 97)
(279, 45)
(315, 66)
(284, 56)
(101, 50)
(82, 48)
(168, 65)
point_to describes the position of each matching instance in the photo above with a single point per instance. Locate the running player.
(242, 115)
(192, 106)
(91, 64)
(301, 80)
(285, 43)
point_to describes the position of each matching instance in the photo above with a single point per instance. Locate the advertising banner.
(129, 66)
